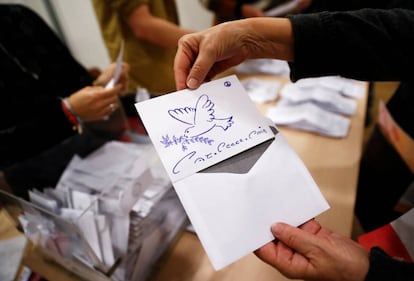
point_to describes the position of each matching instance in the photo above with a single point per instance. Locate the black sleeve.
(384, 267)
(368, 44)
(37, 70)
(349, 5)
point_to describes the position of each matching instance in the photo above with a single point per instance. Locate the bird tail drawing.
(224, 123)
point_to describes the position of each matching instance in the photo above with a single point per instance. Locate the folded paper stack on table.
(261, 91)
(320, 105)
(232, 169)
(110, 217)
(263, 66)
(286, 7)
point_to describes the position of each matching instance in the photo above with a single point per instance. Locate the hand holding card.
(233, 172)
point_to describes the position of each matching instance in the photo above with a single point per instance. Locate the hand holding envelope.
(233, 172)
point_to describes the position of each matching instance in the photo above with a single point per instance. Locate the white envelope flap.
(242, 162)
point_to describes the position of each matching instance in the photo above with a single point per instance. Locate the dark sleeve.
(37, 71)
(367, 44)
(349, 5)
(224, 10)
(384, 267)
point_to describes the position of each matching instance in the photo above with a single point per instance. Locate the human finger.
(94, 102)
(286, 255)
(109, 110)
(212, 51)
(277, 254)
(311, 226)
(105, 76)
(109, 73)
(109, 95)
(271, 252)
(104, 101)
(182, 64)
(222, 65)
(193, 61)
(110, 105)
(295, 238)
(268, 252)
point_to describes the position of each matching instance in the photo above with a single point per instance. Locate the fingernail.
(192, 83)
(277, 228)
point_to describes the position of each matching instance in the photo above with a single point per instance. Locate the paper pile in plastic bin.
(113, 212)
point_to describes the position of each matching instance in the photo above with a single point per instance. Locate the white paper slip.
(261, 91)
(347, 87)
(323, 97)
(233, 202)
(118, 68)
(264, 66)
(311, 118)
(283, 9)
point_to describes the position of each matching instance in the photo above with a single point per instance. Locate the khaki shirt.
(151, 65)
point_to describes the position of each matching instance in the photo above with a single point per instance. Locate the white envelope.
(233, 202)
(232, 213)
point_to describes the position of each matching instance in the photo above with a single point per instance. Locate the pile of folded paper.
(320, 105)
(112, 213)
(263, 66)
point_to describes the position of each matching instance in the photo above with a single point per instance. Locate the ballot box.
(111, 216)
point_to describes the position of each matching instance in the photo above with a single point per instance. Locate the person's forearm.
(158, 31)
(269, 38)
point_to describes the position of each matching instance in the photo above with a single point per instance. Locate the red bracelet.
(73, 119)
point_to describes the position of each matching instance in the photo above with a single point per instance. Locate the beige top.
(151, 65)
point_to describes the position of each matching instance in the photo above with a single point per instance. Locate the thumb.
(295, 238)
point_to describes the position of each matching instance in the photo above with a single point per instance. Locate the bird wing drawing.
(201, 118)
(183, 114)
(204, 119)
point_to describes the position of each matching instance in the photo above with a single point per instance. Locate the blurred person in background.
(226, 10)
(46, 96)
(150, 30)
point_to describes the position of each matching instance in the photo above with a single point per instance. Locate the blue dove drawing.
(201, 118)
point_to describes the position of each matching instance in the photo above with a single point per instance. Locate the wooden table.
(333, 163)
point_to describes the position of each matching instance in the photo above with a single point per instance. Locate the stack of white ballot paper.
(261, 91)
(234, 173)
(264, 66)
(283, 9)
(114, 211)
(321, 105)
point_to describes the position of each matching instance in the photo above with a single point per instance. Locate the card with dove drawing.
(234, 173)
(195, 129)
